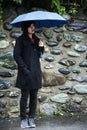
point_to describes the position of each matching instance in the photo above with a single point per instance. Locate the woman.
(26, 54)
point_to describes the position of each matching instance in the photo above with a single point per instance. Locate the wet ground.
(49, 123)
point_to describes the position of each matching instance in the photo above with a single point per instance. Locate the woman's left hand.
(41, 44)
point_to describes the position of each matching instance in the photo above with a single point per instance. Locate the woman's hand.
(41, 44)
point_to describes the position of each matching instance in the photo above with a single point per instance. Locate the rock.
(45, 90)
(71, 92)
(59, 38)
(4, 84)
(48, 35)
(78, 78)
(57, 30)
(84, 30)
(76, 70)
(60, 98)
(77, 100)
(83, 64)
(80, 48)
(73, 54)
(7, 61)
(52, 79)
(80, 89)
(15, 110)
(6, 74)
(15, 34)
(4, 44)
(7, 26)
(1, 95)
(49, 58)
(66, 62)
(2, 35)
(63, 87)
(66, 16)
(67, 44)
(64, 71)
(49, 66)
(56, 51)
(72, 107)
(14, 94)
(2, 104)
(13, 103)
(73, 37)
(52, 43)
(47, 109)
(42, 98)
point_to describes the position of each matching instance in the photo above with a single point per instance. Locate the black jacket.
(26, 55)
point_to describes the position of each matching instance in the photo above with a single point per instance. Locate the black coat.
(26, 55)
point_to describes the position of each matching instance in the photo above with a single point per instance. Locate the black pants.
(32, 95)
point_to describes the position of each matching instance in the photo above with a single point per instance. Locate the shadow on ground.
(49, 123)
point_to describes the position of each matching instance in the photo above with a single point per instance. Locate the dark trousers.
(32, 95)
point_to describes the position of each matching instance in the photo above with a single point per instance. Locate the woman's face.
(31, 29)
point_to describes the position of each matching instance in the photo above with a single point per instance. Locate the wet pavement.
(49, 123)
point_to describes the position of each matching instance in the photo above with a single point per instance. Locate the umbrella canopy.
(40, 18)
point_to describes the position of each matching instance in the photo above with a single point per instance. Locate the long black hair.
(25, 25)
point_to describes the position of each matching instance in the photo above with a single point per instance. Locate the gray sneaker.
(31, 123)
(24, 124)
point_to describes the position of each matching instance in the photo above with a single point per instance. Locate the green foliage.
(42, 114)
(18, 1)
(58, 113)
(56, 6)
(73, 9)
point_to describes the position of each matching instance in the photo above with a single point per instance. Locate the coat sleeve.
(17, 53)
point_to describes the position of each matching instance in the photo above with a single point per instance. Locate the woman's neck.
(30, 36)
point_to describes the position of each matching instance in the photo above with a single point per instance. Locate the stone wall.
(64, 69)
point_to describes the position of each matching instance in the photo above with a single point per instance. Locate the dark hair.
(25, 25)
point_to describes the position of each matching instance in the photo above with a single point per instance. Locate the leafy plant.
(73, 10)
(56, 6)
(18, 1)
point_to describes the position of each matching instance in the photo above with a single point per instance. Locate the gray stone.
(73, 54)
(59, 38)
(58, 30)
(56, 51)
(4, 84)
(60, 98)
(4, 44)
(80, 48)
(48, 109)
(52, 43)
(49, 58)
(42, 98)
(63, 87)
(2, 35)
(67, 44)
(3, 104)
(6, 74)
(15, 34)
(83, 64)
(73, 37)
(48, 35)
(67, 62)
(72, 107)
(49, 66)
(77, 99)
(14, 94)
(78, 78)
(81, 89)
(64, 71)
(76, 70)
(13, 103)
(7, 26)
(1, 95)
(71, 92)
